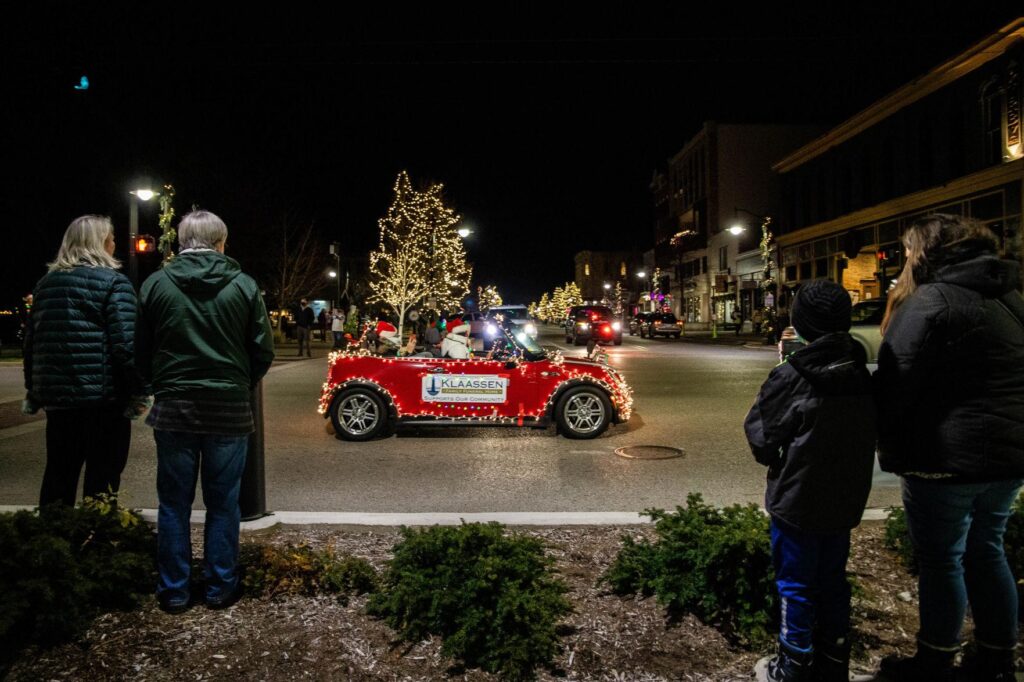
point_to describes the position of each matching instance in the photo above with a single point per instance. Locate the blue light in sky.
(83, 83)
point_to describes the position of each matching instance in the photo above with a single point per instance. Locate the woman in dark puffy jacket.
(950, 389)
(79, 364)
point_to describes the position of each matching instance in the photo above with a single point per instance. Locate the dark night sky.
(544, 126)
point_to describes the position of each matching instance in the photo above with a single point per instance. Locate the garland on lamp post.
(167, 233)
(768, 283)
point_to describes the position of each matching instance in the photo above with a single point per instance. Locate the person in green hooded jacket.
(203, 342)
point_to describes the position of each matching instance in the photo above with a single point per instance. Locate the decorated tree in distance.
(399, 266)
(449, 272)
(488, 297)
(544, 308)
(573, 295)
(558, 306)
(619, 299)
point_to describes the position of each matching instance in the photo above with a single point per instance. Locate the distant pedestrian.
(338, 328)
(204, 342)
(304, 321)
(757, 319)
(737, 320)
(321, 321)
(814, 426)
(950, 385)
(80, 365)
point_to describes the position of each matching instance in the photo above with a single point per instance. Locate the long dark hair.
(931, 242)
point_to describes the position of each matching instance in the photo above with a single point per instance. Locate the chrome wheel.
(584, 413)
(358, 414)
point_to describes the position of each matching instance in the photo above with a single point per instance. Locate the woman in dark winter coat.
(950, 389)
(79, 364)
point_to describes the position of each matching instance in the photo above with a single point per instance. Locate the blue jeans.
(957, 531)
(180, 457)
(810, 574)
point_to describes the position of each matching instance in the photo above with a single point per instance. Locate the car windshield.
(868, 312)
(517, 313)
(517, 336)
(665, 317)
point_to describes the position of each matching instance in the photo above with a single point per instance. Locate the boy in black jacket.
(813, 426)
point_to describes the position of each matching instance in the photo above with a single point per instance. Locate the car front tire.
(359, 414)
(583, 412)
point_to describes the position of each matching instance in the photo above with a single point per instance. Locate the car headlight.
(584, 326)
(617, 326)
(530, 329)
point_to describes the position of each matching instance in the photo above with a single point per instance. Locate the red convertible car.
(366, 396)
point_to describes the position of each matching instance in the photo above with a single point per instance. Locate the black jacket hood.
(832, 364)
(202, 273)
(989, 275)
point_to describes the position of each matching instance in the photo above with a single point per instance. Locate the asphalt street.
(687, 395)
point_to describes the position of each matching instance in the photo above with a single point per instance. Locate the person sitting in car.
(456, 344)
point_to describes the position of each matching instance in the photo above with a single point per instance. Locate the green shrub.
(493, 598)
(897, 537)
(62, 566)
(713, 563)
(270, 571)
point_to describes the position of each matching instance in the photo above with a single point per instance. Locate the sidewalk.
(728, 338)
(289, 350)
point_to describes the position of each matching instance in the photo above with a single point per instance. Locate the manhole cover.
(649, 452)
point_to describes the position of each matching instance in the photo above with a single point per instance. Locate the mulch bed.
(607, 638)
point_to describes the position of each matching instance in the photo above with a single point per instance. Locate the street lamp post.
(768, 283)
(336, 252)
(144, 192)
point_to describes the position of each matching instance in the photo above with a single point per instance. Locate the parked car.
(865, 325)
(660, 324)
(592, 321)
(865, 328)
(517, 315)
(634, 324)
(367, 396)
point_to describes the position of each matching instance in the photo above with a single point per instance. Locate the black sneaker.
(227, 601)
(173, 606)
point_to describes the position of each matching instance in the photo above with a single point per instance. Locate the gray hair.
(85, 244)
(201, 230)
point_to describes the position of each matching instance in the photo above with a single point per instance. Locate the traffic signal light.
(145, 243)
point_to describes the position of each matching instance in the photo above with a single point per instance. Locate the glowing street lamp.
(767, 280)
(464, 232)
(142, 192)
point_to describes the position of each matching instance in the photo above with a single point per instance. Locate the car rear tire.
(576, 341)
(675, 336)
(583, 412)
(618, 340)
(359, 414)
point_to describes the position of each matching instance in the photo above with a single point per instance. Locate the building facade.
(949, 142)
(598, 273)
(721, 177)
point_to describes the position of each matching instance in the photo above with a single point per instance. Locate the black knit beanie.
(820, 307)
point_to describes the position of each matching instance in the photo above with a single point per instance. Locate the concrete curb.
(385, 519)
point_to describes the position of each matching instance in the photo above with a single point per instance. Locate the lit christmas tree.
(489, 297)
(573, 295)
(449, 273)
(399, 267)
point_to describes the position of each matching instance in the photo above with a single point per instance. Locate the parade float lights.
(575, 372)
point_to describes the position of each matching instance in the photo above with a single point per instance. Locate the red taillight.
(657, 323)
(606, 330)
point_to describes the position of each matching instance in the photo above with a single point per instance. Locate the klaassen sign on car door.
(464, 388)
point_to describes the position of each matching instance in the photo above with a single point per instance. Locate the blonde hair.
(931, 242)
(201, 230)
(85, 244)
